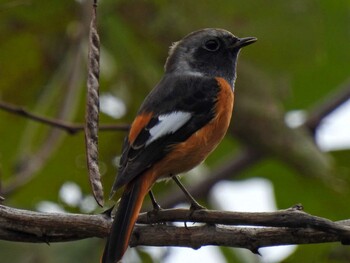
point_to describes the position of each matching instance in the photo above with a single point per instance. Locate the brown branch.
(290, 226)
(239, 237)
(71, 128)
(28, 226)
(293, 217)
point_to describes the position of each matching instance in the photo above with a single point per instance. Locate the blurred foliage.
(303, 50)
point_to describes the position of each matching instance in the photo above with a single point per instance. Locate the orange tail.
(124, 221)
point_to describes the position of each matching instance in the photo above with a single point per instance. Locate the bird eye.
(212, 45)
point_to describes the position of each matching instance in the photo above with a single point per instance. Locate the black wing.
(190, 94)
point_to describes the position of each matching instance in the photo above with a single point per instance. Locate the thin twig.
(71, 128)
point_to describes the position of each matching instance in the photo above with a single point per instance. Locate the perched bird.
(178, 125)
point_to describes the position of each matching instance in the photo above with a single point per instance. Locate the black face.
(209, 52)
(216, 56)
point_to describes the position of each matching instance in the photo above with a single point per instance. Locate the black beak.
(245, 41)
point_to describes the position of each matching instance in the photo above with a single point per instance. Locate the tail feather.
(124, 221)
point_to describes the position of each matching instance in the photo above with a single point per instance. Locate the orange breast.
(196, 148)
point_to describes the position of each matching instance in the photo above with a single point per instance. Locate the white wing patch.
(168, 124)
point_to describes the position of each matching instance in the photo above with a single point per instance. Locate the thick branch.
(28, 226)
(293, 218)
(249, 238)
(290, 226)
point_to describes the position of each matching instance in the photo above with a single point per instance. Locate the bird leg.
(156, 206)
(194, 204)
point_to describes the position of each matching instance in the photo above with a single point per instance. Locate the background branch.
(322, 110)
(31, 158)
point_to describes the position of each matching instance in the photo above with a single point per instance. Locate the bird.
(180, 122)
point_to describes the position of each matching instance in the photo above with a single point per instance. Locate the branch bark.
(291, 226)
(239, 237)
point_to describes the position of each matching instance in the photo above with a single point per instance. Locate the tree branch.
(28, 226)
(239, 237)
(71, 128)
(293, 217)
(290, 226)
